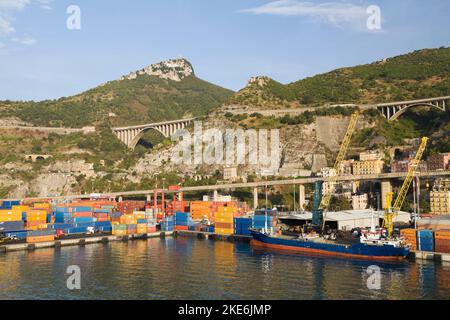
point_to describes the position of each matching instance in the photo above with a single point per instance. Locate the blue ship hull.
(356, 251)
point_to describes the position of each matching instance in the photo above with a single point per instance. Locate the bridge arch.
(393, 111)
(402, 111)
(131, 135)
(139, 136)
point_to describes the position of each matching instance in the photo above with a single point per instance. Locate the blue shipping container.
(11, 226)
(20, 235)
(425, 240)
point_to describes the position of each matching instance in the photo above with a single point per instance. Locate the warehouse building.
(347, 220)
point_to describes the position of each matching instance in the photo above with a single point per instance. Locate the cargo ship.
(367, 248)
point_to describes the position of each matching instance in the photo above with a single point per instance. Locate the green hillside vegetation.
(271, 95)
(415, 123)
(258, 121)
(420, 74)
(145, 99)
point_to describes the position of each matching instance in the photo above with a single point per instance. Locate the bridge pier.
(255, 198)
(301, 197)
(386, 187)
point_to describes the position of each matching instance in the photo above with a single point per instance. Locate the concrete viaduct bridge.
(393, 110)
(131, 135)
(386, 180)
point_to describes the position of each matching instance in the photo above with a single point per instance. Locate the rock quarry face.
(175, 70)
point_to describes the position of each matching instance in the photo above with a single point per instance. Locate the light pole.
(266, 210)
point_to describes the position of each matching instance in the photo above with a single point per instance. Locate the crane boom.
(391, 211)
(325, 202)
(409, 178)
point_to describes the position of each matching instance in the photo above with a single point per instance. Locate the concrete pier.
(431, 256)
(79, 241)
(213, 236)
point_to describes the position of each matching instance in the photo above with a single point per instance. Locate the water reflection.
(188, 268)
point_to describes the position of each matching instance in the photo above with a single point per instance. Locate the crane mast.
(392, 210)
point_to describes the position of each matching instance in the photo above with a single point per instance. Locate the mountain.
(163, 91)
(420, 74)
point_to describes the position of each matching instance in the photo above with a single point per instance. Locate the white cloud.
(45, 4)
(13, 4)
(8, 9)
(26, 41)
(335, 13)
(5, 27)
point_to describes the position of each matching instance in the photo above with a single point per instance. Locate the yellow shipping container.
(224, 231)
(139, 215)
(9, 215)
(20, 208)
(41, 205)
(128, 219)
(224, 220)
(119, 232)
(37, 215)
(141, 228)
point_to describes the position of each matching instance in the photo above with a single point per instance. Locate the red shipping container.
(181, 228)
(101, 215)
(442, 246)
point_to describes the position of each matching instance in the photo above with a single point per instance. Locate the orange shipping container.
(41, 239)
(442, 234)
(410, 236)
(222, 225)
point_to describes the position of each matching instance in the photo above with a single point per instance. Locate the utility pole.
(418, 199)
(294, 198)
(266, 227)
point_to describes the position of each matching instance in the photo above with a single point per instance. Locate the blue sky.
(227, 41)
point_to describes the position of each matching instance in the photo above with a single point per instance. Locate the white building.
(360, 202)
(370, 156)
(328, 187)
(230, 173)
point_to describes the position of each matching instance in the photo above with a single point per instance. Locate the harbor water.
(189, 268)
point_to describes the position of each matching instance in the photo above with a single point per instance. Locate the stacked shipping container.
(442, 241)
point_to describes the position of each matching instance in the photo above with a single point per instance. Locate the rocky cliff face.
(260, 81)
(175, 70)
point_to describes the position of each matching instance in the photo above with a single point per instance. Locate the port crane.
(321, 206)
(391, 211)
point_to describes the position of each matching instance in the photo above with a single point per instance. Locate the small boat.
(368, 248)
